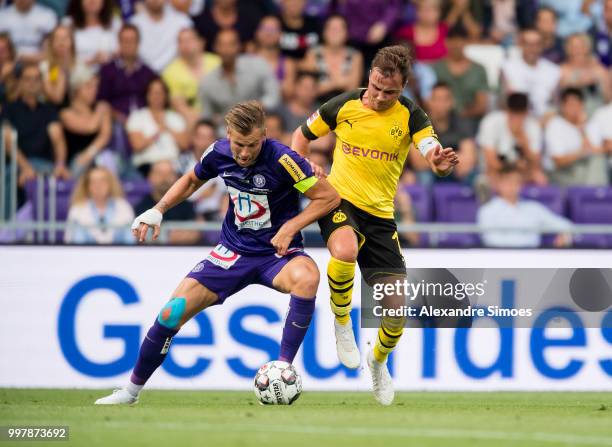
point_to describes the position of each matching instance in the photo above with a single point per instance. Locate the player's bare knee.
(343, 245)
(305, 280)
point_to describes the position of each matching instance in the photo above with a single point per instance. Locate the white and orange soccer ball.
(277, 383)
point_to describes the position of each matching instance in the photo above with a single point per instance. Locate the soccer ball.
(277, 383)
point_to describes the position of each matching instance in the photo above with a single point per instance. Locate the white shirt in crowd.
(84, 220)
(165, 147)
(495, 133)
(28, 30)
(95, 39)
(525, 218)
(562, 137)
(538, 82)
(158, 39)
(601, 126)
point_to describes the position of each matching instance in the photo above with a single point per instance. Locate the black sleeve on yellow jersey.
(325, 119)
(418, 118)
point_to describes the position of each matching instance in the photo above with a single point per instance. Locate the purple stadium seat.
(456, 203)
(551, 197)
(62, 198)
(591, 205)
(135, 191)
(423, 212)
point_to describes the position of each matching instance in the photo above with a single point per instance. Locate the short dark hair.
(393, 59)
(129, 27)
(77, 14)
(164, 87)
(244, 117)
(517, 102)
(301, 74)
(508, 169)
(547, 9)
(207, 123)
(571, 91)
(441, 84)
(458, 31)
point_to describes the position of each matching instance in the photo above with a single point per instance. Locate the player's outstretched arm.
(181, 190)
(299, 143)
(442, 161)
(323, 199)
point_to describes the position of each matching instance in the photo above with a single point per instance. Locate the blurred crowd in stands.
(103, 92)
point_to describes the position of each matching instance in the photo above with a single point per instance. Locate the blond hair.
(81, 191)
(244, 117)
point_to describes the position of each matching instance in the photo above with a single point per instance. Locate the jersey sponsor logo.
(338, 217)
(292, 168)
(223, 257)
(198, 268)
(373, 154)
(251, 211)
(259, 180)
(312, 118)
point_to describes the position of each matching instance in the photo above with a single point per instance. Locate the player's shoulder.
(219, 149)
(329, 111)
(408, 104)
(276, 150)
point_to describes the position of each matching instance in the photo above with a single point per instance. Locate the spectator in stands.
(95, 30)
(58, 64)
(40, 140)
(87, 124)
(421, 79)
(466, 14)
(159, 25)
(512, 137)
(303, 101)
(600, 125)
(466, 79)
(571, 144)
(267, 46)
(340, 66)
(582, 70)
(300, 32)
(573, 18)
(27, 23)
(124, 80)
(208, 201)
(99, 213)
(504, 21)
(552, 45)
(8, 59)
(240, 77)
(531, 74)
(370, 24)
(240, 15)
(156, 132)
(601, 33)
(183, 74)
(161, 177)
(428, 33)
(453, 131)
(276, 129)
(519, 220)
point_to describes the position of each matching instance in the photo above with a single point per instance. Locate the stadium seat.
(135, 190)
(591, 205)
(551, 197)
(62, 199)
(421, 204)
(458, 204)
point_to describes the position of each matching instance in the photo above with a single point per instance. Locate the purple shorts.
(226, 272)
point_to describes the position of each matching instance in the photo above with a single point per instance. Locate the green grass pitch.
(226, 418)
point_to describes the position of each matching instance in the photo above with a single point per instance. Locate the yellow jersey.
(371, 147)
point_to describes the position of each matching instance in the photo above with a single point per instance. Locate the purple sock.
(296, 325)
(152, 353)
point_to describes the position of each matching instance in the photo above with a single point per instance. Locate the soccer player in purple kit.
(260, 239)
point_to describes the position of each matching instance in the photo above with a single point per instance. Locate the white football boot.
(348, 352)
(382, 384)
(119, 397)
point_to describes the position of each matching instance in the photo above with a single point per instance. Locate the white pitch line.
(514, 436)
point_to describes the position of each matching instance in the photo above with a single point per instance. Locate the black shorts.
(379, 248)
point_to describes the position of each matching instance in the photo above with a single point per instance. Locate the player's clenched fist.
(150, 218)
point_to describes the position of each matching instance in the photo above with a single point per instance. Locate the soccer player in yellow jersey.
(375, 127)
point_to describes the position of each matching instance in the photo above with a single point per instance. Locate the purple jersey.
(263, 196)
